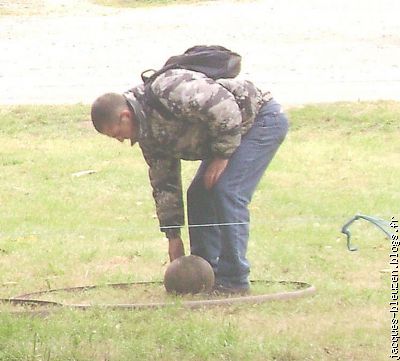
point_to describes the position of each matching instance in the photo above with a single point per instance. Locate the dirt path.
(304, 51)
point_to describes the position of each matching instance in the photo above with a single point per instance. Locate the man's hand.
(176, 248)
(214, 171)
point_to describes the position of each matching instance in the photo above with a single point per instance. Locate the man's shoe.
(230, 291)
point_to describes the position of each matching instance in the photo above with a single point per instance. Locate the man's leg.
(205, 240)
(233, 192)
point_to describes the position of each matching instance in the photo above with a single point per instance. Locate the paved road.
(303, 51)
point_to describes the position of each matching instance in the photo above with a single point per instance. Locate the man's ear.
(126, 114)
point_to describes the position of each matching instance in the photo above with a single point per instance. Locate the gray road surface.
(303, 51)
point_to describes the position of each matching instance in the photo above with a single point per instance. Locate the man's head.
(112, 116)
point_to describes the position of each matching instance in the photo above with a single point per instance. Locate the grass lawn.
(25, 8)
(144, 3)
(60, 230)
(147, 3)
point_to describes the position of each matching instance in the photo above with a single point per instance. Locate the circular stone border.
(303, 289)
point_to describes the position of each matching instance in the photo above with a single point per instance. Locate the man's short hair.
(106, 109)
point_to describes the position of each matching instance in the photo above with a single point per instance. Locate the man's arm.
(165, 179)
(175, 248)
(214, 171)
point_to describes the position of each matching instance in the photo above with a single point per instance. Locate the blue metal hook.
(380, 223)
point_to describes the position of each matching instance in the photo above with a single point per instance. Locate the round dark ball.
(189, 274)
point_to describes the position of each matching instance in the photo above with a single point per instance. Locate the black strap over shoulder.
(214, 61)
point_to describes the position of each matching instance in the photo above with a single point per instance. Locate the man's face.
(121, 130)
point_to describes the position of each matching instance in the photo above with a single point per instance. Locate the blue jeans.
(225, 246)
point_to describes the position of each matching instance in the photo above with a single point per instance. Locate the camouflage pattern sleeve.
(165, 179)
(248, 97)
(194, 97)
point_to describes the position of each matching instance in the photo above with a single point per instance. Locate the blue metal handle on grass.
(380, 223)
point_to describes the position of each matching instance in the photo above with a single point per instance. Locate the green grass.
(151, 3)
(57, 230)
(144, 3)
(31, 9)
(36, 8)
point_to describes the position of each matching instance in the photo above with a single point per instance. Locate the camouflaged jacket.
(209, 119)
